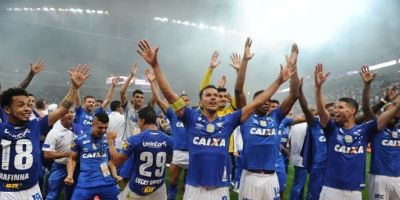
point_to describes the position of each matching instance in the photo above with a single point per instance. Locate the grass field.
(234, 195)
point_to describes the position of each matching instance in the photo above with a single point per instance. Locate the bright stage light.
(72, 10)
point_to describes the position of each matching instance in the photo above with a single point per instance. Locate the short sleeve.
(187, 114)
(370, 127)
(234, 117)
(75, 145)
(50, 142)
(128, 146)
(330, 126)
(170, 113)
(44, 125)
(278, 114)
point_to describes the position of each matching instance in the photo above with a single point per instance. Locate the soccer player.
(152, 149)
(260, 134)
(208, 177)
(57, 146)
(20, 139)
(180, 159)
(84, 115)
(96, 175)
(346, 143)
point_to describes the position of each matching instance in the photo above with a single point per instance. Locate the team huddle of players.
(122, 154)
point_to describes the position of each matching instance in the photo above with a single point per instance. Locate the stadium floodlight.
(52, 9)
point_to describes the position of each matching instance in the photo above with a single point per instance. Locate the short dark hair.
(183, 95)
(99, 100)
(221, 89)
(7, 96)
(206, 87)
(148, 115)
(257, 93)
(274, 101)
(353, 103)
(114, 105)
(40, 104)
(137, 92)
(102, 117)
(328, 105)
(87, 97)
(31, 95)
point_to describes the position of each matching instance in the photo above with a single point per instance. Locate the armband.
(178, 104)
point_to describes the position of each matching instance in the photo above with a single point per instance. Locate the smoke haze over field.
(341, 34)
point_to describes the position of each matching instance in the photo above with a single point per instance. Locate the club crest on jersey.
(213, 142)
(210, 128)
(349, 150)
(263, 123)
(262, 131)
(395, 134)
(348, 138)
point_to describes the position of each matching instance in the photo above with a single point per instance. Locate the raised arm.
(78, 101)
(124, 88)
(150, 56)
(284, 75)
(240, 97)
(154, 90)
(390, 94)
(213, 64)
(78, 76)
(385, 117)
(367, 77)
(319, 79)
(304, 105)
(110, 93)
(35, 68)
(289, 101)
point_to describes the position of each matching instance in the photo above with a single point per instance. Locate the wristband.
(178, 104)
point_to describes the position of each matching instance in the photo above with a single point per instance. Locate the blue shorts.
(109, 192)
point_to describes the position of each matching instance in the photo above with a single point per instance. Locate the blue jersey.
(284, 128)
(84, 118)
(385, 158)
(92, 152)
(209, 160)
(346, 152)
(150, 149)
(20, 154)
(261, 142)
(318, 144)
(179, 135)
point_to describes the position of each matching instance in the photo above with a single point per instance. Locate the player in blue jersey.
(96, 174)
(152, 149)
(261, 141)
(384, 178)
(209, 160)
(180, 158)
(57, 147)
(84, 114)
(20, 139)
(346, 142)
(316, 165)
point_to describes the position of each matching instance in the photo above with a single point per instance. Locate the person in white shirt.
(116, 123)
(57, 146)
(297, 134)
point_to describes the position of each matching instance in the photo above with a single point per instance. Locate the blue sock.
(172, 191)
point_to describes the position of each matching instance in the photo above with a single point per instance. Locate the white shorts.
(159, 194)
(384, 187)
(204, 193)
(32, 193)
(328, 193)
(181, 159)
(258, 186)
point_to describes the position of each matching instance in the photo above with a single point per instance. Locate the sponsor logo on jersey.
(19, 135)
(179, 125)
(262, 131)
(198, 125)
(349, 150)
(213, 142)
(87, 122)
(155, 144)
(379, 196)
(148, 189)
(391, 143)
(220, 124)
(94, 155)
(86, 141)
(322, 138)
